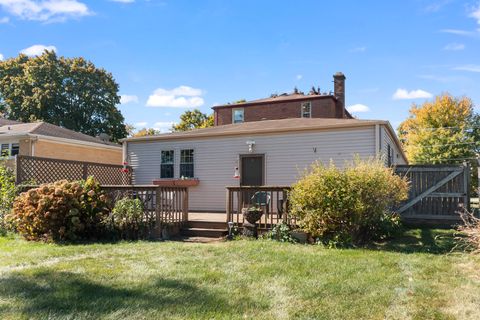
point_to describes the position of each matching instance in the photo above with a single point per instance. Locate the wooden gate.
(437, 193)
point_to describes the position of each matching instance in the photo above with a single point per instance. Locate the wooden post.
(18, 170)
(85, 171)
(158, 218)
(227, 204)
(185, 205)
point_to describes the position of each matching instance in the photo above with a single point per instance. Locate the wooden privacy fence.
(437, 193)
(36, 170)
(165, 205)
(272, 199)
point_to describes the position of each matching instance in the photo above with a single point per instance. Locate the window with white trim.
(186, 163)
(238, 115)
(9, 149)
(306, 109)
(166, 164)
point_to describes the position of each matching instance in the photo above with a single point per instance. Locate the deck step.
(207, 224)
(202, 232)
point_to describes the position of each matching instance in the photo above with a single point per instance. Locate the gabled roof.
(264, 126)
(47, 129)
(279, 98)
(6, 121)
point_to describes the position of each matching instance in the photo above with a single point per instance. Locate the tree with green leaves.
(441, 131)
(146, 132)
(194, 119)
(69, 92)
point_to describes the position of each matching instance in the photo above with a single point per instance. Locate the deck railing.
(166, 204)
(273, 200)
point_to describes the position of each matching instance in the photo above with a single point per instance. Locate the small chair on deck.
(261, 199)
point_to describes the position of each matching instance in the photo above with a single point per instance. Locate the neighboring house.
(42, 139)
(296, 105)
(269, 152)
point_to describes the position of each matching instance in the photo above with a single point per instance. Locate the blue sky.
(169, 56)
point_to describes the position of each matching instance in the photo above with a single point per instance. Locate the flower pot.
(252, 215)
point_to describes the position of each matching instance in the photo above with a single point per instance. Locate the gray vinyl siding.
(387, 140)
(286, 156)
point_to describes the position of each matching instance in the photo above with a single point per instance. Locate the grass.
(415, 276)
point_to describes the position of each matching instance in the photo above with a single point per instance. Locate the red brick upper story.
(285, 106)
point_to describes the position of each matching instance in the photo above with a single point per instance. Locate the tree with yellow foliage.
(445, 130)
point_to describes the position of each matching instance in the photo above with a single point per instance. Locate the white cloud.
(358, 108)
(2, 57)
(359, 49)
(141, 125)
(180, 97)
(47, 10)
(164, 126)
(457, 32)
(454, 46)
(475, 14)
(125, 98)
(402, 94)
(298, 77)
(37, 49)
(4, 20)
(469, 67)
(123, 1)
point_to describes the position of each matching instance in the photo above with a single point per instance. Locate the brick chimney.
(339, 92)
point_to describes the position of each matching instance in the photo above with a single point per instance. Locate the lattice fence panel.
(36, 170)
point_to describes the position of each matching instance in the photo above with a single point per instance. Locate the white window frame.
(233, 115)
(173, 162)
(193, 163)
(10, 144)
(310, 109)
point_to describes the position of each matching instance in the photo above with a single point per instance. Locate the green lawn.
(414, 277)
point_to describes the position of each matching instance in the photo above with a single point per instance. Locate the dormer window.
(306, 110)
(238, 115)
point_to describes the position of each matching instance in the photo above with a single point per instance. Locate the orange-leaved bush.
(349, 205)
(59, 211)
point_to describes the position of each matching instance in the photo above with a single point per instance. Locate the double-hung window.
(238, 115)
(166, 166)
(186, 163)
(5, 152)
(15, 149)
(306, 109)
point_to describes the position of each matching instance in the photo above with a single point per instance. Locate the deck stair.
(206, 229)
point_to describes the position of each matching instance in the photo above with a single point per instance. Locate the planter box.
(176, 182)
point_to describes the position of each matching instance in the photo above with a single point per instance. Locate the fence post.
(227, 204)
(85, 171)
(158, 219)
(18, 168)
(185, 205)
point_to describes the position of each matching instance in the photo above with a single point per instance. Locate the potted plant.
(252, 214)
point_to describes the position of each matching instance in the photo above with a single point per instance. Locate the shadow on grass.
(422, 240)
(67, 295)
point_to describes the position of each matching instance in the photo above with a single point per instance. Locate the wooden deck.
(208, 216)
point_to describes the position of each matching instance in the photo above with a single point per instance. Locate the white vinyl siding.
(286, 156)
(387, 140)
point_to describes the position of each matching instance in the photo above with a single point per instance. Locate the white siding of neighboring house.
(388, 140)
(286, 156)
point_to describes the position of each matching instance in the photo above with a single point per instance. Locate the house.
(269, 152)
(315, 104)
(46, 140)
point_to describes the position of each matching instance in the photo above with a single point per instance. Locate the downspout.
(124, 151)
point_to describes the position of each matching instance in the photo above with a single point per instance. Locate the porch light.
(250, 144)
(236, 173)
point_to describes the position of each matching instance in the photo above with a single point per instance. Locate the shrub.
(351, 205)
(280, 232)
(127, 219)
(470, 232)
(7, 194)
(60, 211)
